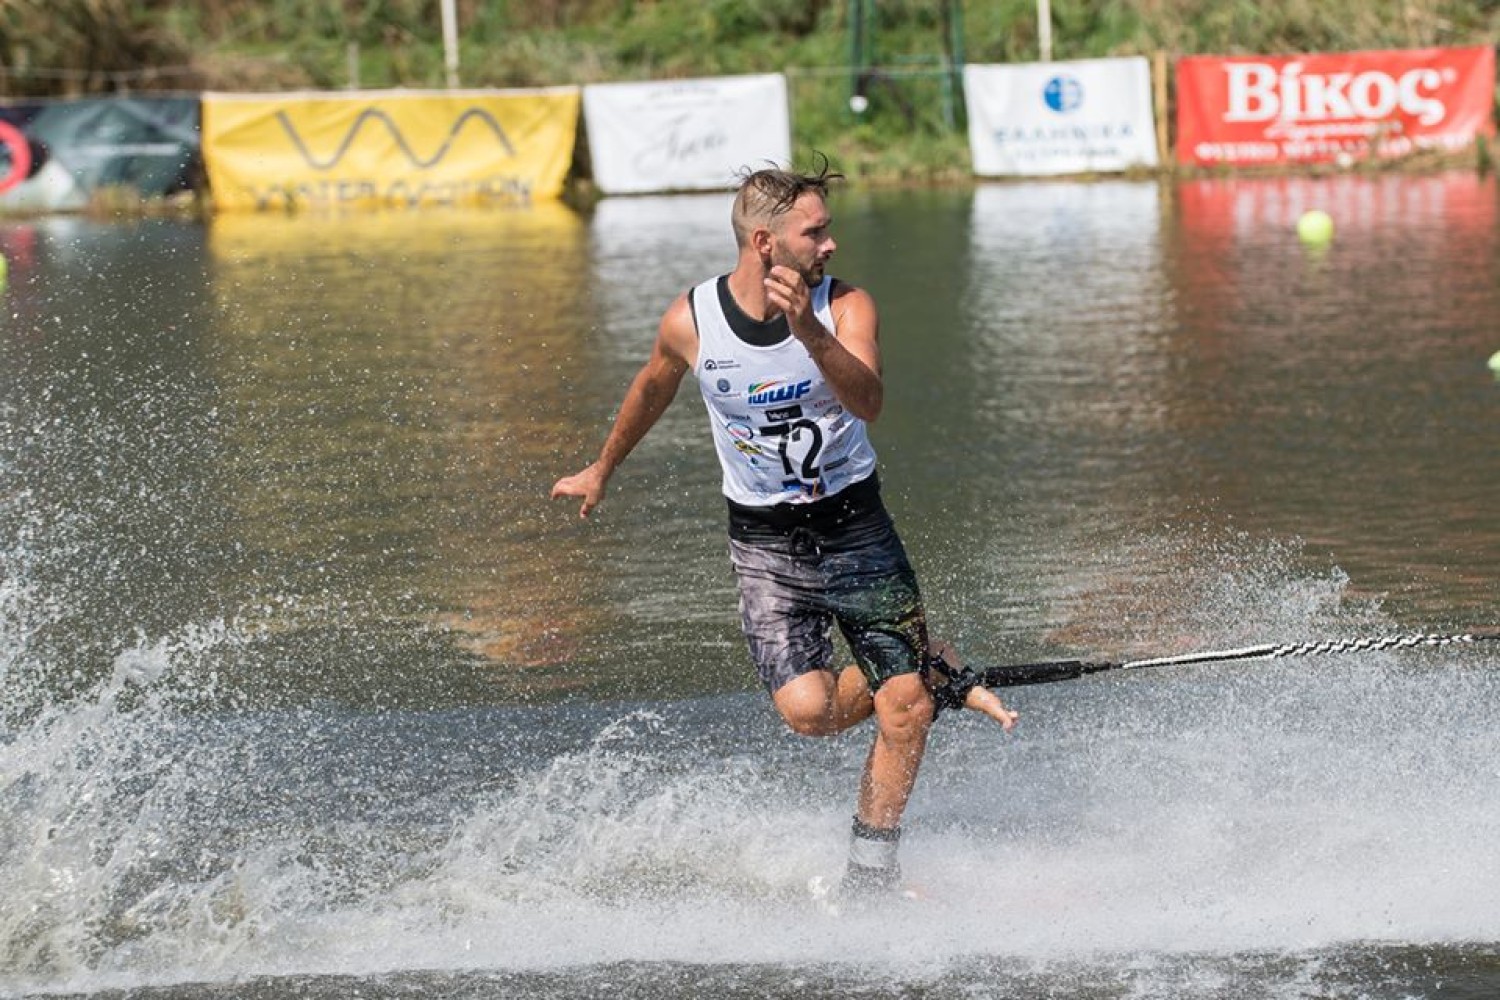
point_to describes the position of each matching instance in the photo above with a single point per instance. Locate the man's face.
(801, 240)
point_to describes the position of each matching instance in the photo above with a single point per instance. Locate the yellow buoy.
(1315, 227)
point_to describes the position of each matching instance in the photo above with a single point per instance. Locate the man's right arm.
(650, 393)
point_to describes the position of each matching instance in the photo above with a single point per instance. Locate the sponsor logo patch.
(778, 391)
(784, 413)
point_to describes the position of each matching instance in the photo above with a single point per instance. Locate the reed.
(92, 46)
(912, 130)
(75, 47)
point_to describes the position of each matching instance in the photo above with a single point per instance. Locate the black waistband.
(848, 504)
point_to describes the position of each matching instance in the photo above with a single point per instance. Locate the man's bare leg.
(903, 716)
(824, 703)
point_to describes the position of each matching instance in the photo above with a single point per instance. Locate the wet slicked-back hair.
(766, 195)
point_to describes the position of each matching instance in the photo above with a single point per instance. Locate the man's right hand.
(588, 484)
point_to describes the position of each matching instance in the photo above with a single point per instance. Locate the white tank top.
(781, 434)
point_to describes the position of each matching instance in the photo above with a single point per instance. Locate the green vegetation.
(73, 47)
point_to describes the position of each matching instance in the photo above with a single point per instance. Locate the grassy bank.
(912, 129)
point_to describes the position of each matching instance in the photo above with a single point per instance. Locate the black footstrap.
(953, 694)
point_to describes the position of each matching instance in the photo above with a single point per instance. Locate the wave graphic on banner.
(377, 114)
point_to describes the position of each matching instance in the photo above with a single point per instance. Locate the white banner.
(1093, 115)
(685, 135)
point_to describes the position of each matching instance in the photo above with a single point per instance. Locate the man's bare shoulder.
(842, 289)
(852, 303)
(677, 336)
(845, 295)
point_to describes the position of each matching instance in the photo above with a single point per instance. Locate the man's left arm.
(849, 361)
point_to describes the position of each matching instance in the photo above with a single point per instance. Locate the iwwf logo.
(777, 391)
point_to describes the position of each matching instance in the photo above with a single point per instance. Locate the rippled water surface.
(308, 691)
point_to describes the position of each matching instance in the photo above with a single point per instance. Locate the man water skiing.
(788, 362)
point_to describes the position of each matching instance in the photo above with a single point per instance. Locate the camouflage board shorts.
(803, 568)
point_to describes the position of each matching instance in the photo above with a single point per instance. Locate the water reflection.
(1070, 319)
(1120, 418)
(1137, 363)
(641, 249)
(340, 431)
(394, 386)
(664, 517)
(1348, 380)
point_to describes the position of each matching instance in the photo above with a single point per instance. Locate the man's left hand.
(787, 291)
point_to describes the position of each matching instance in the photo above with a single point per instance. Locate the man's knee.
(820, 724)
(904, 708)
(807, 704)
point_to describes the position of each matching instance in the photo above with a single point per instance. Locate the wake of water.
(158, 827)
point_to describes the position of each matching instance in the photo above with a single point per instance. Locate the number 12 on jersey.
(797, 432)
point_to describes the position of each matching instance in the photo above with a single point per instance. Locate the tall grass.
(76, 46)
(93, 46)
(73, 47)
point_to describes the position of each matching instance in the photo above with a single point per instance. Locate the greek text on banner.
(1060, 118)
(388, 148)
(1247, 110)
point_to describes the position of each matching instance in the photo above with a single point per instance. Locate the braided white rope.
(1270, 651)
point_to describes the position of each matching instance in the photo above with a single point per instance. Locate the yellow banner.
(388, 149)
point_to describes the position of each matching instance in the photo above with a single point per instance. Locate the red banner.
(1250, 110)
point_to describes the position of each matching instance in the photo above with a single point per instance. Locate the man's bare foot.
(979, 698)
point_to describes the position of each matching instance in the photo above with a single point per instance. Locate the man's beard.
(811, 274)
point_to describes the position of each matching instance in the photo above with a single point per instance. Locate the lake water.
(308, 690)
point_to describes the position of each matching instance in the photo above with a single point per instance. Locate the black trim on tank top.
(755, 332)
(824, 515)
